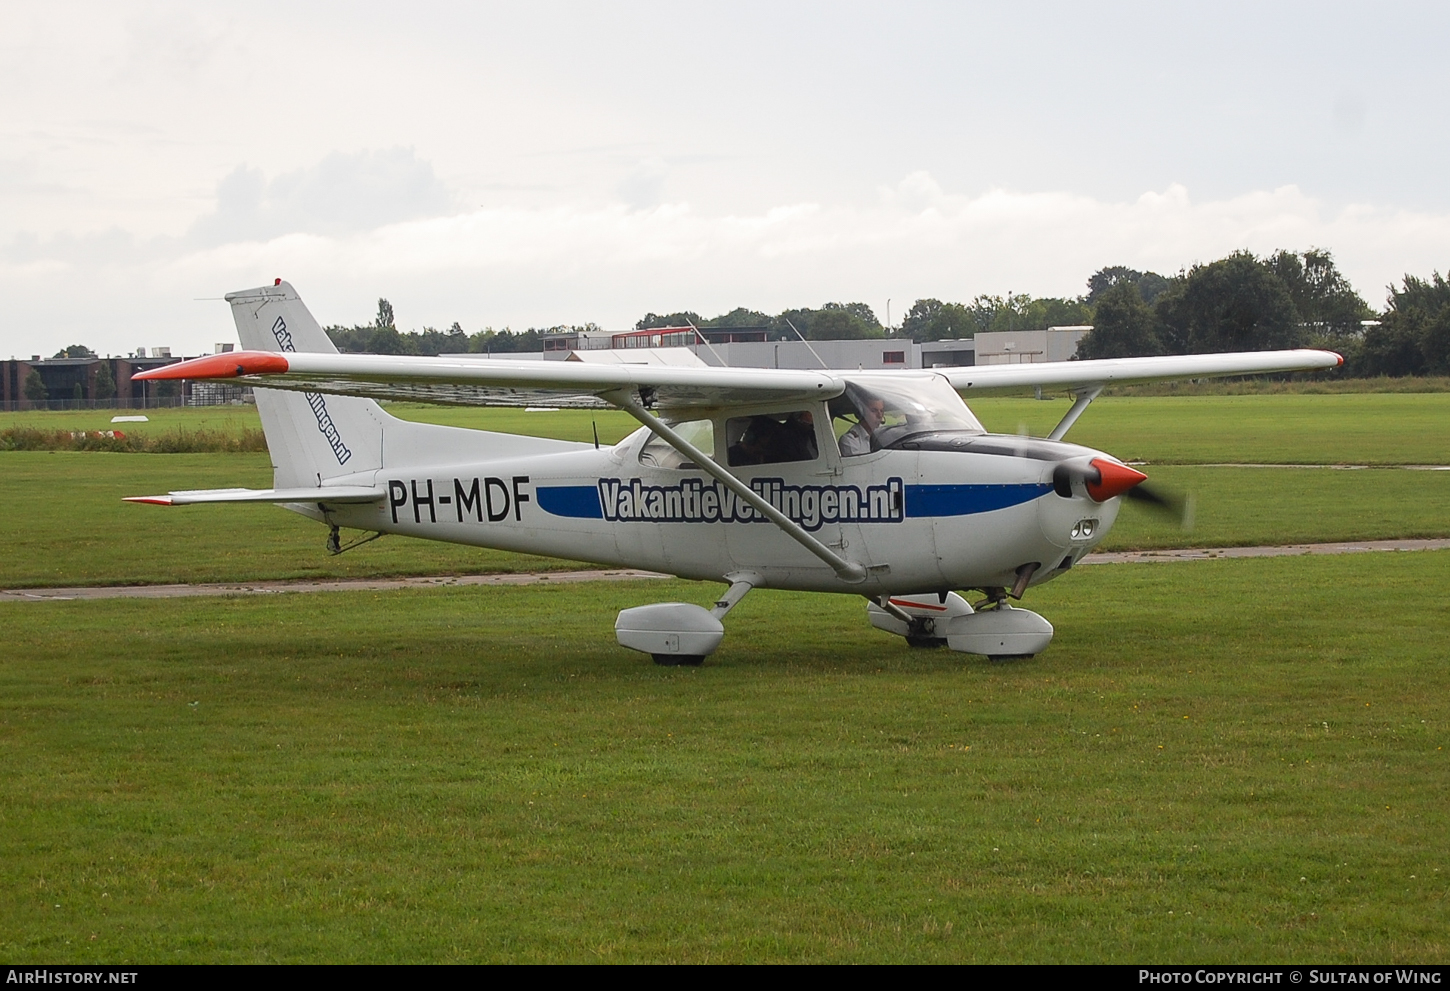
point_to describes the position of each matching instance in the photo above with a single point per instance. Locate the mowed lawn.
(1346, 428)
(65, 523)
(1215, 762)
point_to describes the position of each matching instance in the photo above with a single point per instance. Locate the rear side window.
(772, 438)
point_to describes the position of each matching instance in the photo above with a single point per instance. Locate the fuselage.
(952, 515)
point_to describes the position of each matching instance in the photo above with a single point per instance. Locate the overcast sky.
(535, 164)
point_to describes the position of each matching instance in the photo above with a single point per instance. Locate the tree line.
(1238, 303)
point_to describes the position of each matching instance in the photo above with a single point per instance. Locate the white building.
(1021, 347)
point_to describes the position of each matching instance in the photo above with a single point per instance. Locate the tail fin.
(311, 437)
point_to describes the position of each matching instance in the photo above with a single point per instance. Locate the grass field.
(1225, 761)
(1351, 428)
(1215, 762)
(65, 523)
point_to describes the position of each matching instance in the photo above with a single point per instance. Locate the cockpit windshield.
(885, 411)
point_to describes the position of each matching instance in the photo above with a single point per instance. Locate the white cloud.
(340, 195)
(611, 262)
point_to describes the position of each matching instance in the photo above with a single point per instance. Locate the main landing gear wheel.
(926, 643)
(678, 660)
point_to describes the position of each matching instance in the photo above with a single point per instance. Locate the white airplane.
(878, 484)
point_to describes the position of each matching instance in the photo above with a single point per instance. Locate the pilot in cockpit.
(857, 440)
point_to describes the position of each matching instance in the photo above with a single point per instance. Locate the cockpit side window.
(883, 412)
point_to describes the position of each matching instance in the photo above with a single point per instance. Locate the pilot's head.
(873, 411)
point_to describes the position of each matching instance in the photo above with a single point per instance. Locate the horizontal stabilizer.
(327, 493)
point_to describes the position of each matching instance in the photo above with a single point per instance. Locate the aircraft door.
(877, 483)
(788, 457)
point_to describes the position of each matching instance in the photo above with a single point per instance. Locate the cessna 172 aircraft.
(878, 484)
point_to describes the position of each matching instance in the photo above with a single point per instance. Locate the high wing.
(495, 382)
(1081, 375)
(504, 382)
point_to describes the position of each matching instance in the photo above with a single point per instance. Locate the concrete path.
(623, 574)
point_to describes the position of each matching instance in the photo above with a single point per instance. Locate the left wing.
(503, 382)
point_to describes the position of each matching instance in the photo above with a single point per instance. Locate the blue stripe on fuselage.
(578, 501)
(965, 500)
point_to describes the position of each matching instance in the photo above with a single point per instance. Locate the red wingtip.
(149, 500)
(1340, 357)
(1113, 479)
(219, 366)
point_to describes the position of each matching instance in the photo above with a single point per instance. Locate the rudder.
(311, 437)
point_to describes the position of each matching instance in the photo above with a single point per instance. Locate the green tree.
(105, 387)
(862, 313)
(1019, 311)
(1150, 284)
(1123, 325)
(787, 323)
(684, 318)
(75, 351)
(738, 317)
(1328, 306)
(505, 341)
(1233, 304)
(384, 320)
(919, 318)
(35, 389)
(1413, 337)
(841, 324)
(933, 320)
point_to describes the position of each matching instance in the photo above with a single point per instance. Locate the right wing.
(1122, 371)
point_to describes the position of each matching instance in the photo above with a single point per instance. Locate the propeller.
(1105, 479)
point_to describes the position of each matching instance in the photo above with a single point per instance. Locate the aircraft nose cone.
(1113, 480)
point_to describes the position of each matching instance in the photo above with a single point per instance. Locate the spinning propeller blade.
(1175, 504)
(1105, 479)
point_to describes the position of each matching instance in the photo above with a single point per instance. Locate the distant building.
(61, 376)
(949, 354)
(1022, 347)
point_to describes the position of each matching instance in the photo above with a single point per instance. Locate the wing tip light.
(219, 366)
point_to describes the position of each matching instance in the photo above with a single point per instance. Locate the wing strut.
(1084, 396)
(847, 571)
